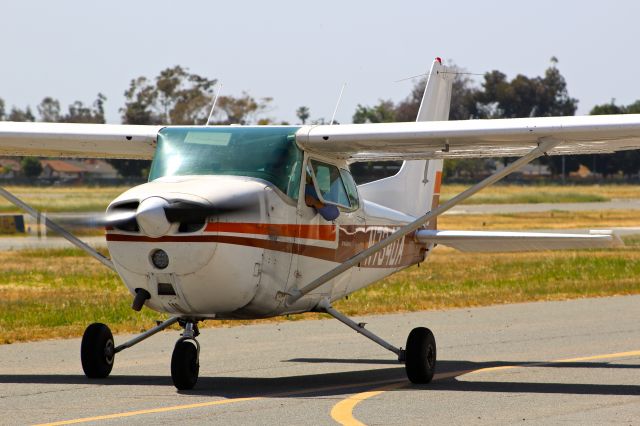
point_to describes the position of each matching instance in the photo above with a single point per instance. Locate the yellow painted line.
(151, 411)
(342, 412)
(212, 403)
(605, 356)
(559, 361)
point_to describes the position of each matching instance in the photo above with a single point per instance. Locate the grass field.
(57, 293)
(53, 199)
(90, 199)
(542, 220)
(512, 194)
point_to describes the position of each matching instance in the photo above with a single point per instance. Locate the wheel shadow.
(344, 382)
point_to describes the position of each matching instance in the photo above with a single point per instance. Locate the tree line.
(499, 97)
(177, 96)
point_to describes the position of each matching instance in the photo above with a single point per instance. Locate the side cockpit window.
(336, 186)
(330, 183)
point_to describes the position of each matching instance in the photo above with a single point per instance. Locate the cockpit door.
(324, 242)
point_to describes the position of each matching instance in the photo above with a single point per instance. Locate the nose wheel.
(185, 363)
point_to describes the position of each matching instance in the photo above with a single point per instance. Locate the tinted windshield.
(268, 153)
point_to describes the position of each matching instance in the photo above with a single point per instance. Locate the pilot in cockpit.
(328, 211)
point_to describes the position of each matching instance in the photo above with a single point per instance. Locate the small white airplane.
(244, 222)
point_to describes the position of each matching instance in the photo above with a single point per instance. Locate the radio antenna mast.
(214, 103)
(333, 117)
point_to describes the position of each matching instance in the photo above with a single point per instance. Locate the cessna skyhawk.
(241, 222)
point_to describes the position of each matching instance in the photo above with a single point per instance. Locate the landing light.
(159, 258)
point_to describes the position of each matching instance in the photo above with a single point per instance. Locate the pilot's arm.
(328, 211)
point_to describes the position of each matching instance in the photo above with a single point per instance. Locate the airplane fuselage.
(243, 264)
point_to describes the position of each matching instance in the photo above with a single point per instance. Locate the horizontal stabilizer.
(498, 241)
(78, 140)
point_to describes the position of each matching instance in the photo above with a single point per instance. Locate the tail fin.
(415, 189)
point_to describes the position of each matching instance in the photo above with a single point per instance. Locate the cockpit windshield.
(268, 153)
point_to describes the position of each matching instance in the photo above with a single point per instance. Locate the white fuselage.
(243, 264)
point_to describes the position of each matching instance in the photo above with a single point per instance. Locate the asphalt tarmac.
(574, 362)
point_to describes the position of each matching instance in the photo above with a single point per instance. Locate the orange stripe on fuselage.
(311, 232)
(436, 188)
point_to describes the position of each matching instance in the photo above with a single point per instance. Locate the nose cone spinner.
(152, 218)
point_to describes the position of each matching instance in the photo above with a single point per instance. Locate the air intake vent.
(166, 289)
(177, 307)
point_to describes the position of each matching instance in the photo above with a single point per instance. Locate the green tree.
(140, 105)
(303, 114)
(18, 114)
(49, 110)
(80, 113)
(240, 110)
(31, 167)
(176, 96)
(384, 112)
(524, 96)
(627, 162)
(2, 111)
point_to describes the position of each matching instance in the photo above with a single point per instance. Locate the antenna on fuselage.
(214, 103)
(333, 117)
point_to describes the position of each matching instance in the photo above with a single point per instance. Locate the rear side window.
(350, 186)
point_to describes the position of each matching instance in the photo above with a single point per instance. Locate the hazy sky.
(300, 53)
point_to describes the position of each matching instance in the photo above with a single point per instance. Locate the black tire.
(97, 351)
(420, 356)
(184, 365)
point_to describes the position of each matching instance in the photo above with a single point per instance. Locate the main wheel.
(420, 355)
(184, 365)
(97, 351)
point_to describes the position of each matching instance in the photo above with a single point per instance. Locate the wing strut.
(57, 228)
(544, 145)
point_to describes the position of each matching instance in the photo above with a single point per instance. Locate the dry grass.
(453, 279)
(510, 194)
(63, 199)
(57, 293)
(82, 199)
(543, 220)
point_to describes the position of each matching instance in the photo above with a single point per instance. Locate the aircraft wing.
(473, 138)
(487, 241)
(78, 140)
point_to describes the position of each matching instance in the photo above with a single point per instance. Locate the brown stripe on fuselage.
(310, 232)
(352, 240)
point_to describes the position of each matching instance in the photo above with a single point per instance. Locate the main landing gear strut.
(419, 357)
(97, 351)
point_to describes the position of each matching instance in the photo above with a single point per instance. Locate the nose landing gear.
(185, 360)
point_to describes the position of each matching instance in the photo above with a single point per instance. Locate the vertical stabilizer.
(415, 189)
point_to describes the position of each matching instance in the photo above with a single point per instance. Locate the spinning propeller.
(156, 216)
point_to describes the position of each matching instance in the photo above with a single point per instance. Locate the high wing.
(498, 241)
(473, 138)
(78, 140)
